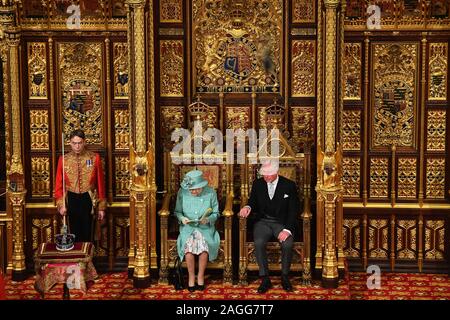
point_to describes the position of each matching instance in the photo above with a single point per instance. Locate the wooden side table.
(74, 268)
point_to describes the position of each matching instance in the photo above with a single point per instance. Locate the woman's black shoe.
(200, 287)
(191, 289)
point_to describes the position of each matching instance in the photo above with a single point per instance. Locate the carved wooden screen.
(394, 134)
(75, 79)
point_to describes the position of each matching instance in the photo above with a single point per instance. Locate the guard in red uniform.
(83, 178)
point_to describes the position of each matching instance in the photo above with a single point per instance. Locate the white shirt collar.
(274, 182)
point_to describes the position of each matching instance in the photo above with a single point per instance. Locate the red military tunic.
(82, 173)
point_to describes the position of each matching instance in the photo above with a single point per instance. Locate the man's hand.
(62, 210)
(283, 235)
(101, 215)
(245, 211)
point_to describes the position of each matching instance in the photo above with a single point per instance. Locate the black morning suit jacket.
(285, 202)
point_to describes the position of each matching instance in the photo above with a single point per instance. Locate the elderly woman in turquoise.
(197, 210)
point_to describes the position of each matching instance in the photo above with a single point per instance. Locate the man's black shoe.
(265, 285)
(286, 284)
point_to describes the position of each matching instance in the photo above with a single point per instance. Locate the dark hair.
(77, 133)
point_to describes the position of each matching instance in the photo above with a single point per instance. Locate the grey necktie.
(271, 190)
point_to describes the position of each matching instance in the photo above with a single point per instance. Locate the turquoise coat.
(193, 207)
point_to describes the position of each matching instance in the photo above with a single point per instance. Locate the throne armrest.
(228, 211)
(165, 211)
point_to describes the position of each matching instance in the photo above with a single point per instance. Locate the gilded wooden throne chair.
(219, 176)
(292, 165)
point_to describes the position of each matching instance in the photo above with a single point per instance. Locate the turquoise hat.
(193, 180)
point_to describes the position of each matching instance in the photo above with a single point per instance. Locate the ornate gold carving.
(172, 119)
(435, 178)
(352, 238)
(351, 178)
(37, 70)
(395, 94)
(237, 118)
(81, 85)
(122, 176)
(171, 11)
(438, 71)
(303, 68)
(303, 11)
(41, 231)
(436, 130)
(434, 239)
(406, 178)
(352, 71)
(40, 177)
(39, 129)
(302, 125)
(329, 168)
(199, 111)
(121, 72)
(121, 129)
(172, 68)
(351, 130)
(379, 177)
(171, 32)
(378, 238)
(121, 236)
(399, 15)
(237, 45)
(406, 244)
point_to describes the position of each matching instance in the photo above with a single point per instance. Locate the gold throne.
(220, 177)
(294, 166)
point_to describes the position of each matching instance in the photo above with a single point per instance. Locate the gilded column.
(329, 188)
(152, 140)
(141, 160)
(15, 174)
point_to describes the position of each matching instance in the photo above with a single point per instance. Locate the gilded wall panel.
(121, 236)
(40, 177)
(436, 130)
(435, 178)
(39, 129)
(406, 239)
(171, 11)
(237, 45)
(394, 91)
(120, 58)
(41, 231)
(434, 239)
(303, 124)
(351, 177)
(81, 87)
(237, 118)
(121, 129)
(406, 178)
(352, 238)
(262, 116)
(303, 68)
(379, 177)
(37, 70)
(172, 117)
(352, 71)
(172, 68)
(437, 71)
(303, 11)
(122, 176)
(378, 238)
(351, 130)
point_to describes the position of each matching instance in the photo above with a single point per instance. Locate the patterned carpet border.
(117, 286)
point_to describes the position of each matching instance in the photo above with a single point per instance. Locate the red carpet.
(401, 286)
(116, 286)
